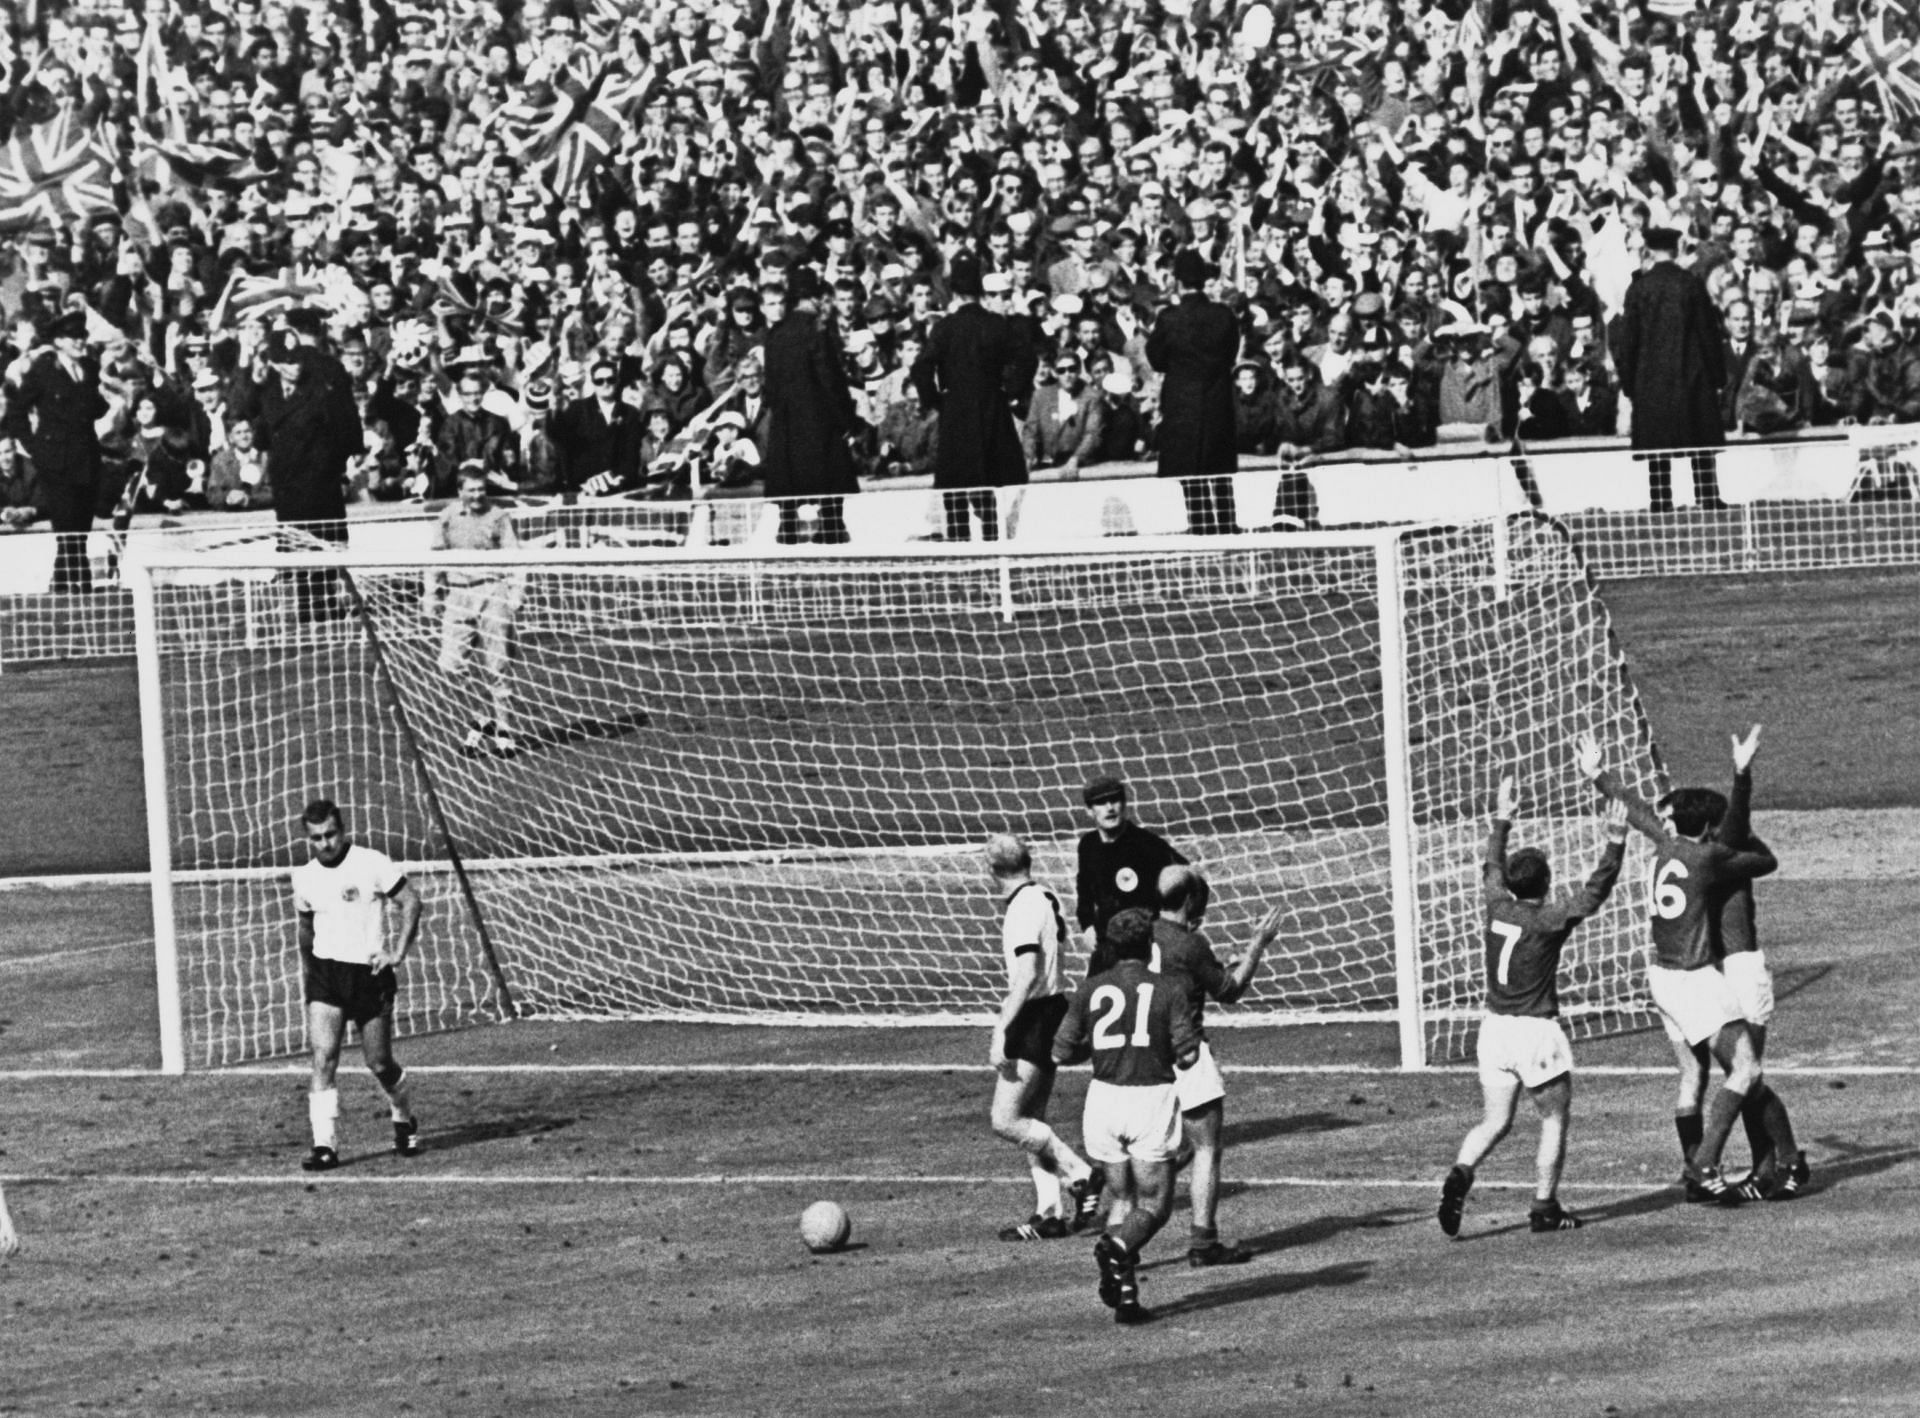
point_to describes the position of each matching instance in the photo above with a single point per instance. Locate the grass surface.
(623, 1242)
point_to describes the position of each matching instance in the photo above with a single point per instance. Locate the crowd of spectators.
(544, 235)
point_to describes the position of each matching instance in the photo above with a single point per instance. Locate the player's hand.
(1269, 929)
(1616, 820)
(1587, 755)
(1745, 748)
(997, 1059)
(1506, 798)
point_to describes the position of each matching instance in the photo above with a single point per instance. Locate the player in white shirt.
(9, 1238)
(1032, 935)
(341, 900)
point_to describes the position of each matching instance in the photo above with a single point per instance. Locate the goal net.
(758, 787)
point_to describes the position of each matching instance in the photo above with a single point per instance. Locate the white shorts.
(1525, 1047)
(1752, 984)
(1694, 1004)
(1122, 1123)
(1202, 1084)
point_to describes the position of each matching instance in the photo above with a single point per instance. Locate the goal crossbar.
(754, 786)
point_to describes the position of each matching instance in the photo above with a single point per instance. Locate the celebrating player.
(1691, 877)
(481, 605)
(1033, 933)
(1141, 1028)
(341, 900)
(1521, 1042)
(1119, 863)
(1179, 950)
(1780, 1171)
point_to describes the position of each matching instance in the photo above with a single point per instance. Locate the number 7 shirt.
(1524, 938)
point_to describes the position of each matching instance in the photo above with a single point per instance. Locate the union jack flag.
(52, 174)
(200, 164)
(249, 297)
(577, 130)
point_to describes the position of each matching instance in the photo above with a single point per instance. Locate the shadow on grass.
(494, 1129)
(1306, 1233)
(586, 730)
(1250, 1286)
(1253, 1130)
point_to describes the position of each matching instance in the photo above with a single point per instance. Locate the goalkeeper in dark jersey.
(1693, 876)
(1118, 865)
(1521, 1042)
(1137, 1027)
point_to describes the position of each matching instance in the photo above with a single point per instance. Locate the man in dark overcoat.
(1194, 344)
(976, 369)
(1671, 357)
(312, 430)
(52, 408)
(810, 411)
(597, 437)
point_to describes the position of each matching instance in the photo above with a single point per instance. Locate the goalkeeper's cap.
(1130, 933)
(1105, 790)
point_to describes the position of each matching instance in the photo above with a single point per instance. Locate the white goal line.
(1464, 1070)
(417, 1180)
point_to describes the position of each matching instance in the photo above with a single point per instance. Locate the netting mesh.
(1510, 655)
(759, 789)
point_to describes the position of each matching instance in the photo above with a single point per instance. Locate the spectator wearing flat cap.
(1193, 344)
(53, 403)
(976, 370)
(810, 414)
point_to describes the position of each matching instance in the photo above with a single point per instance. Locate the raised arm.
(1737, 824)
(1640, 812)
(1494, 870)
(1240, 973)
(1593, 895)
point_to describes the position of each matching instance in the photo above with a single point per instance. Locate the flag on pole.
(53, 173)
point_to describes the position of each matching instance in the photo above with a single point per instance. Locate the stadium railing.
(1833, 499)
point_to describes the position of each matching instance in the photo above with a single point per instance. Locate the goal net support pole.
(755, 786)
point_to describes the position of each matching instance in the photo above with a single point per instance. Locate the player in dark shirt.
(1521, 1041)
(1181, 952)
(1137, 1027)
(1119, 863)
(1692, 877)
(1780, 1171)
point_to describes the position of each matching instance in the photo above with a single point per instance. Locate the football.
(825, 1226)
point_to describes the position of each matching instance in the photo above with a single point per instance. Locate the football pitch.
(604, 1221)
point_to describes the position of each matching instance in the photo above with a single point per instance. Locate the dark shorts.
(1031, 1037)
(358, 991)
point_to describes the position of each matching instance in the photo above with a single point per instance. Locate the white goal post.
(756, 787)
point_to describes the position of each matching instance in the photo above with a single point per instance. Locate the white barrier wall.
(1128, 501)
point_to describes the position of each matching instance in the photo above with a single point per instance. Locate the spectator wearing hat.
(976, 370)
(310, 443)
(53, 403)
(810, 414)
(597, 438)
(1670, 352)
(237, 478)
(1193, 345)
(1065, 421)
